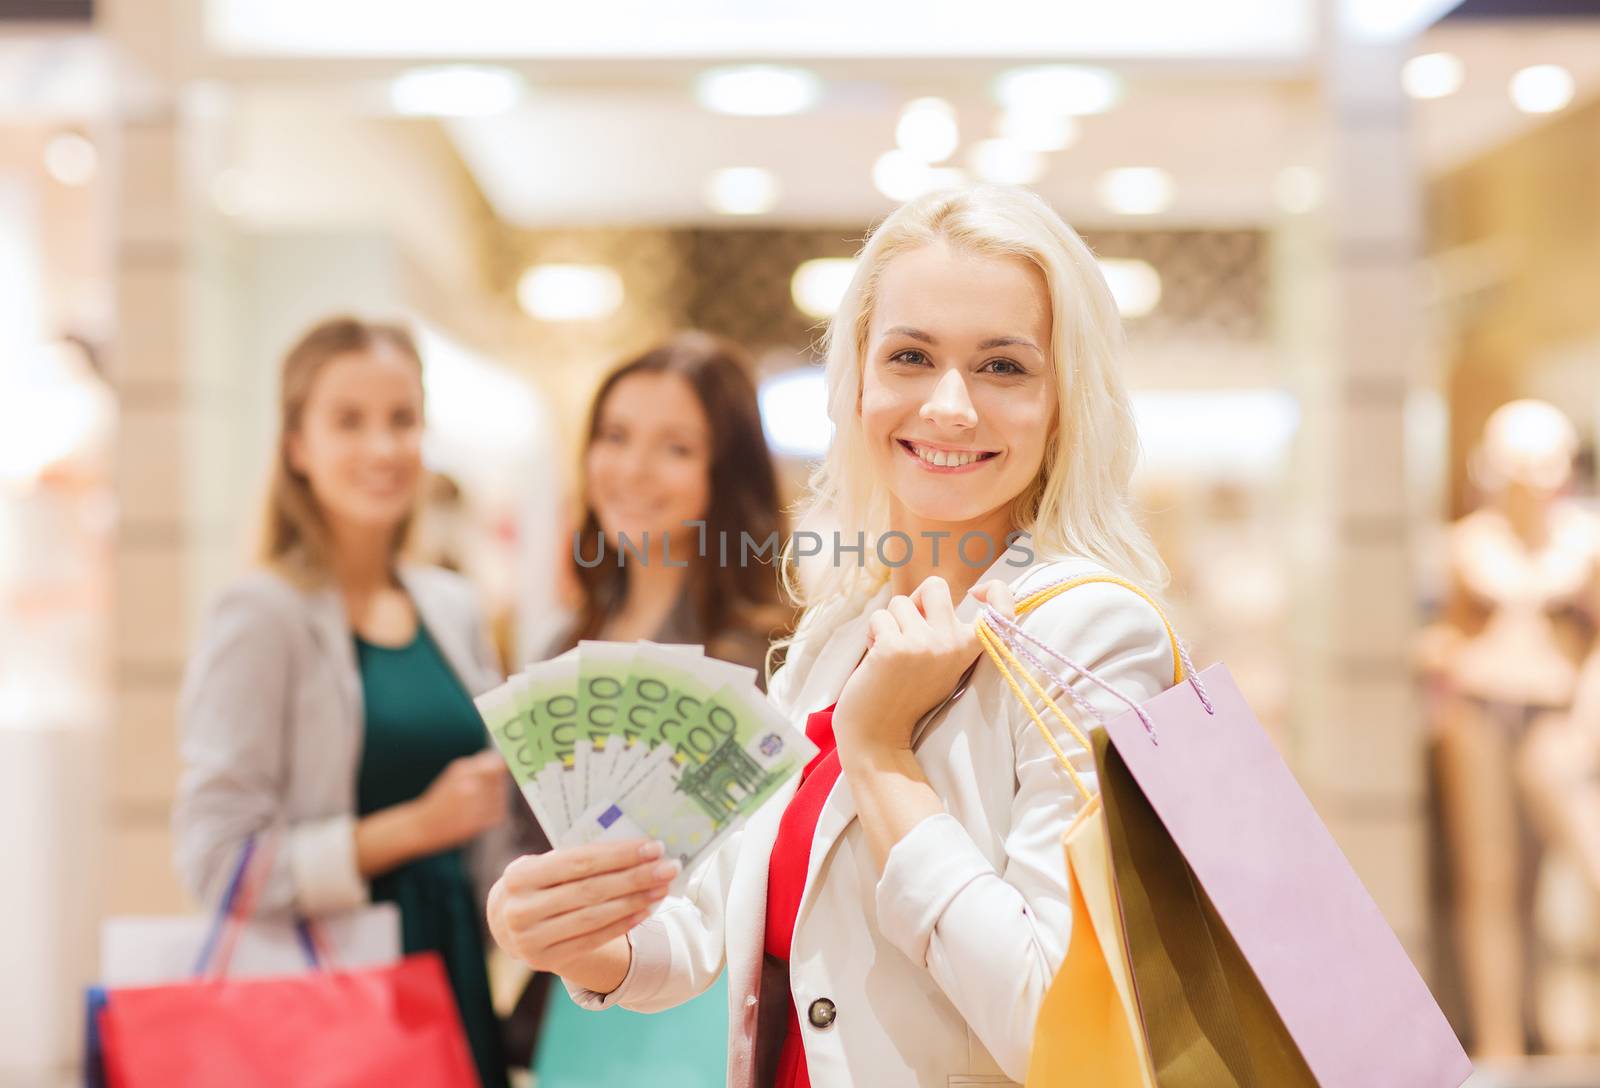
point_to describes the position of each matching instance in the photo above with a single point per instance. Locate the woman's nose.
(949, 405)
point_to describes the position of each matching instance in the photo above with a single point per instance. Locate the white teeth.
(943, 458)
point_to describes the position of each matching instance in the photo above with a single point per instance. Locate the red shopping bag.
(382, 1026)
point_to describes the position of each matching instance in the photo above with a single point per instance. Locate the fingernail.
(651, 850)
(665, 871)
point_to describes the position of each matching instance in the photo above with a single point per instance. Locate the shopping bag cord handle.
(238, 907)
(1000, 650)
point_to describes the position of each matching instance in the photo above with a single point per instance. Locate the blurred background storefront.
(1342, 234)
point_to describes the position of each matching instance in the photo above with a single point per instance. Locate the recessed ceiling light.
(742, 190)
(819, 284)
(1058, 88)
(1037, 130)
(455, 90)
(1137, 190)
(900, 176)
(1136, 285)
(1433, 75)
(928, 129)
(569, 292)
(1543, 88)
(758, 90)
(71, 159)
(1004, 162)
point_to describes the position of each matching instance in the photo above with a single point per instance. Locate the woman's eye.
(1006, 367)
(910, 356)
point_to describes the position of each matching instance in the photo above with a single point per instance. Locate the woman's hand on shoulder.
(917, 651)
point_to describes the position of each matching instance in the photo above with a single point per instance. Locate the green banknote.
(692, 805)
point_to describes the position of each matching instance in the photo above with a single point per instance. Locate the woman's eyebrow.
(915, 334)
(1008, 342)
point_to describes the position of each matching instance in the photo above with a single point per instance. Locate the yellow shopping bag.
(1088, 1024)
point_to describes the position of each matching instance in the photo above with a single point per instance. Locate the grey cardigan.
(271, 721)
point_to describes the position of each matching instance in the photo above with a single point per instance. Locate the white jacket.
(936, 970)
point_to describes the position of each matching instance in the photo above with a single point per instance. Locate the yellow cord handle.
(1010, 667)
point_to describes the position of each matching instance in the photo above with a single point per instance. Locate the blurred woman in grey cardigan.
(328, 702)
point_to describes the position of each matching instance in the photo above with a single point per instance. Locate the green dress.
(418, 719)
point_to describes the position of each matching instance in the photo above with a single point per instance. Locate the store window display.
(1506, 659)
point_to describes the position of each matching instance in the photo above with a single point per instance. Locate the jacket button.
(822, 1013)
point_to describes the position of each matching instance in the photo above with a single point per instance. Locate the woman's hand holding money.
(918, 649)
(466, 799)
(568, 911)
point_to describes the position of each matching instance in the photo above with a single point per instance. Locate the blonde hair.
(1079, 503)
(294, 535)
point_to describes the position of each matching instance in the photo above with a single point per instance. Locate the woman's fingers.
(932, 597)
(534, 872)
(997, 595)
(880, 625)
(644, 877)
(598, 916)
(588, 942)
(907, 615)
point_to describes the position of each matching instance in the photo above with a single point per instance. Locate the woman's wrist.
(605, 969)
(390, 837)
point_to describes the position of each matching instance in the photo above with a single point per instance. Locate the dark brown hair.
(725, 597)
(294, 534)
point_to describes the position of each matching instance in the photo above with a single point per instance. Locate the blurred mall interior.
(1342, 234)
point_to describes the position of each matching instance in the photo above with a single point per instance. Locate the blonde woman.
(897, 916)
(328, 705)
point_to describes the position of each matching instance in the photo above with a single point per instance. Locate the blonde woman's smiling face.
(958, 393)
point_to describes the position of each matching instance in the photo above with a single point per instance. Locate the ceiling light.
(819, 284)
(569, 292)
(71, 159)
(1433, 75)
(1004, 162)
(927, 129)
(1058, 88)
(742, 190)
(1037, 130)
(1543, 88)
(758, 90)
(1136, 285)
(1136, 190)
(902, 177)
(455, 90)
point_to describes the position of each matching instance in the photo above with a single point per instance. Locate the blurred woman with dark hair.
(674, 439)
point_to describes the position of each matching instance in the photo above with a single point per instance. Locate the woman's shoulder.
(437, 588)
(261, 592)
(1103, 617)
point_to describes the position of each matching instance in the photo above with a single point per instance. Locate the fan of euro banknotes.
(625, 739)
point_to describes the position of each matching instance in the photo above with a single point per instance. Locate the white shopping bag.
(143, 950)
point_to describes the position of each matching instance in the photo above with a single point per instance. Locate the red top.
(786, 876)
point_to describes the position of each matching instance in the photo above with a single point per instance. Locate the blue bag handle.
(231, 909)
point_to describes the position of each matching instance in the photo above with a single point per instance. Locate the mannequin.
(1508, 656)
